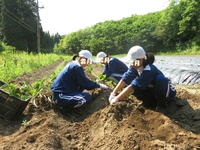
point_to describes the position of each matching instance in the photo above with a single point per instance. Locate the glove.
(103, 86)
(114, 100)
(97, 80)
(112, 95)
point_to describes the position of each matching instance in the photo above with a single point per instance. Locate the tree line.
(175, 28)
(18, 27)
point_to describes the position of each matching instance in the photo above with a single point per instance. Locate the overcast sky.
(66, 16)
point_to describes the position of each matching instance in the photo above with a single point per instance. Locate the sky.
(67, 16)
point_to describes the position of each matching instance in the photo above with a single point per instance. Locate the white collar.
(140, 70)
(76, 62)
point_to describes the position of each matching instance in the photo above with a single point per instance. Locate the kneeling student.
(145, 81)
(69, 85)
(113, 67)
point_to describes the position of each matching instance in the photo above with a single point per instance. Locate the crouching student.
(69, 85)
(113, 67)
(145, 80)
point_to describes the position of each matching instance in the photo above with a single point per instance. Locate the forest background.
(174, 29)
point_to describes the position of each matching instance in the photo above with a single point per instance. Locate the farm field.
(100, 126)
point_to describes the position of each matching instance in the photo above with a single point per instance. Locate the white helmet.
(135, 52)
(87, 54)
(100, 56)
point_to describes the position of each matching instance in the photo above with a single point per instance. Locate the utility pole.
(38, 27)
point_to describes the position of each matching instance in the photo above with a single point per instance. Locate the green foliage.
(18, 27)
(26, 91)
(15, 64)
(39, 86)
(89, 68)
(18, 24)
(10, 63)
(176, 27)
(102, 76)
(164, 31)
(1, 46)
(13, 90)
(189, 23)
(108, 81)
(48, 42)
(6, 48)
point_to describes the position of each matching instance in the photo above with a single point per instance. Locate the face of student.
(137, 63)
(84, 61)
(104, 60)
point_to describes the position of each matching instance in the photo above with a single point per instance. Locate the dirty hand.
(103, 86)
(114, 100)
(112, 95)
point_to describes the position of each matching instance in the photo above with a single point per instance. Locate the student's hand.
(114, 100)
(97, 80)
(112, 95)
(103, 86)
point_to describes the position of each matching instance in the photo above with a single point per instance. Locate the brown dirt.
(98, 125)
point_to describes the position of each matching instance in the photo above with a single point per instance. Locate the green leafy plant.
(102, 77)
(19, 92)
(108, 81)
(89, 68)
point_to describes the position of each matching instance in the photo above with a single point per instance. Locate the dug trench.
(99, 126)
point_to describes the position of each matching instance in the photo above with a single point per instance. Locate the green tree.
(189, 24)
(18, 24)
(173, 28)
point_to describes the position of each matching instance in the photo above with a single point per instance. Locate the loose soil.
(99, 126)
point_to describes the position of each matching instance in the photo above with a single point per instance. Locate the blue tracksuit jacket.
(114, 66)
(151, 76)
(72, 79)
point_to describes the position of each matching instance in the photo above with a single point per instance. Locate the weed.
(24, 123)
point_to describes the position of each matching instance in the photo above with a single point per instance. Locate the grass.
(13, 65)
